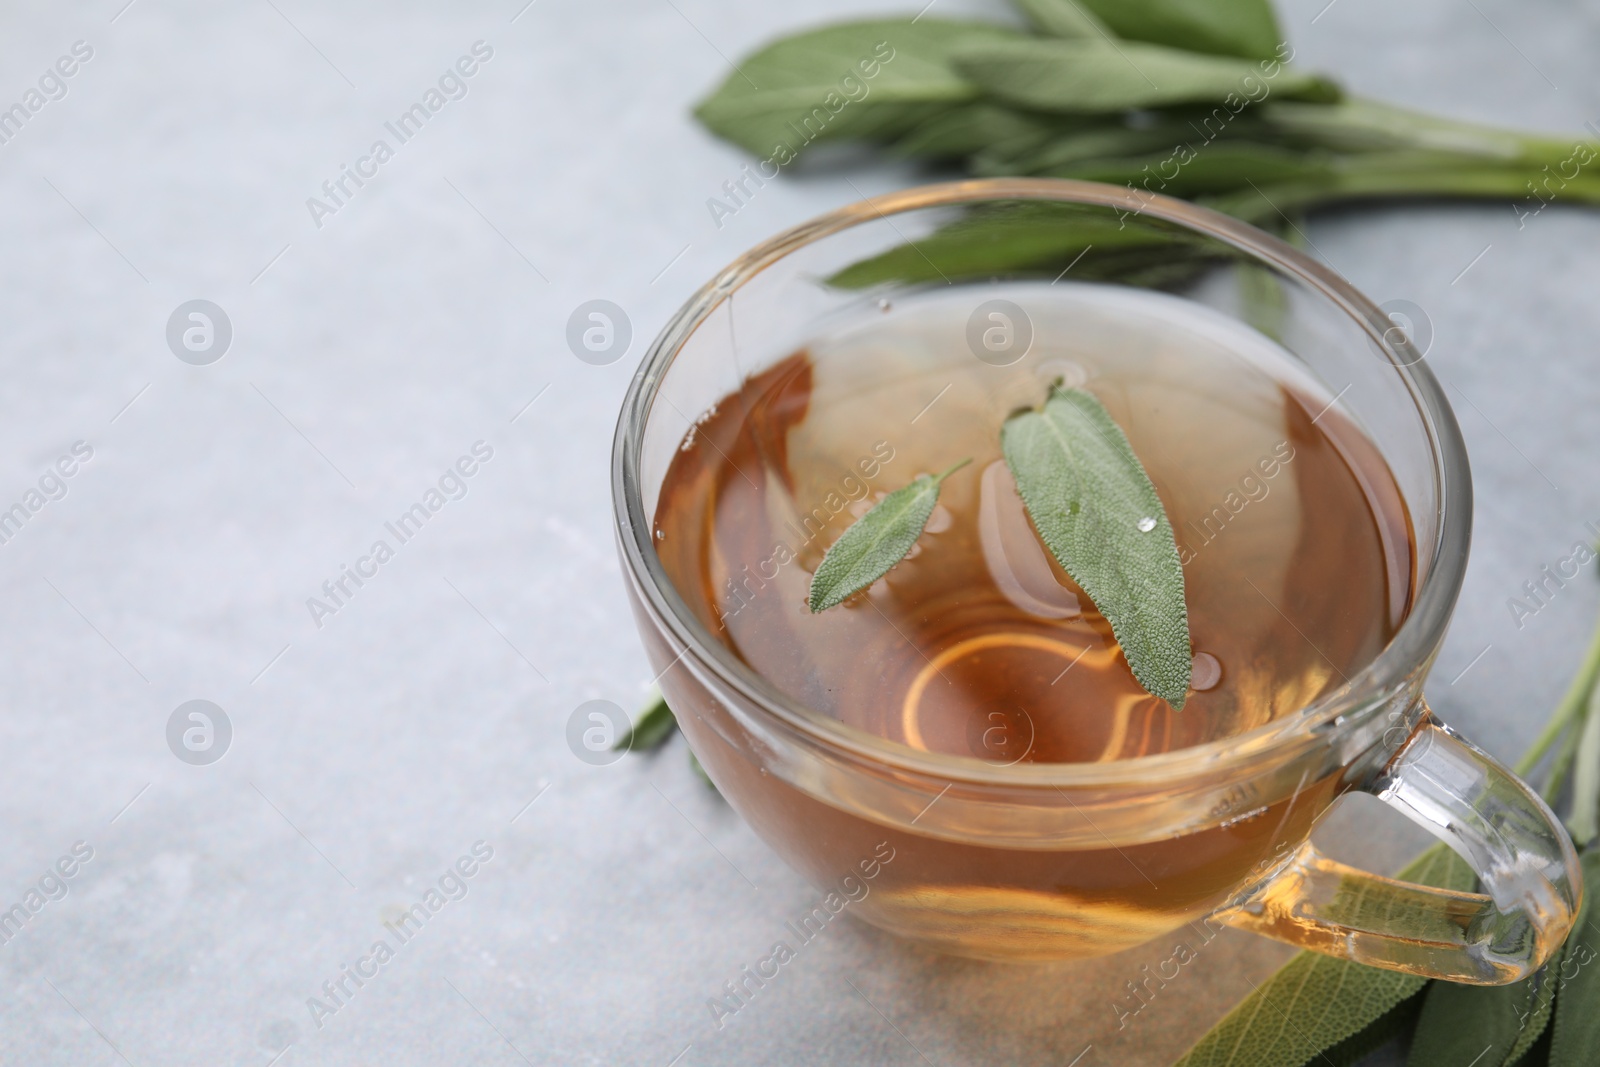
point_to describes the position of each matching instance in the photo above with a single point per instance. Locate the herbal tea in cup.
(1086, 590)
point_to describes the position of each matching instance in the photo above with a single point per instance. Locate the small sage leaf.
(1577, 1027)
(1096, 510)
(653, 726)
(877, 541)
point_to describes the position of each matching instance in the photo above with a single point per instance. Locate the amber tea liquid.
(1298, 564)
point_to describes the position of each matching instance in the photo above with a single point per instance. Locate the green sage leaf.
(871, 79)
(1062, 18)
(1537, 1026)
(1076, 138)
(877, 541)
(1219, 168)
(1040, 240)
(1576, 1034)
(1096, 510)
(1245, 28)
(1087, 76)
(968, 128)
(1489, 1025)
(1315, 1002)
(1358, 1046)
(653, 726)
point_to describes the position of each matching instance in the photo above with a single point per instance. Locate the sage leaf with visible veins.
(1095, 509)
(877, 541)
(1491, 1026)
(1355, 1049)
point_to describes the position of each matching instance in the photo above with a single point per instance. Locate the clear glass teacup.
(1002, 859)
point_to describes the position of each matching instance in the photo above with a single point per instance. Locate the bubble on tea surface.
(1146, 524)
(1205, 672)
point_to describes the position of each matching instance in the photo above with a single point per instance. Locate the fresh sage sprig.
(1186, 98)
(876, 541)
(1094, 508)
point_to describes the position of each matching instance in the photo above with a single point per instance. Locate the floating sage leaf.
(1095, 75)
(1331, 999)
(1095, 509)
(1245, 28)
(877, 541)
(1576, 1034)
(653, 726)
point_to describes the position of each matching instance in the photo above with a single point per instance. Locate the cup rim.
(1411, 647)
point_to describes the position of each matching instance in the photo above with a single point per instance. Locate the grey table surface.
(424, 315)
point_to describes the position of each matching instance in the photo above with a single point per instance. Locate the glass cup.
(1053, 861)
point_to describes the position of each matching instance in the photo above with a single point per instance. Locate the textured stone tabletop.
(410, 739)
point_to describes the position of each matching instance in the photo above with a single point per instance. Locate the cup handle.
(1520, 854)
